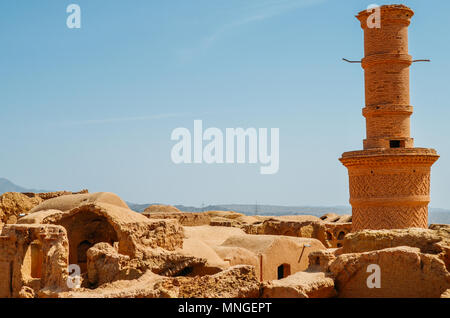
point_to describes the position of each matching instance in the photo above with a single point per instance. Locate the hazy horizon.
(202, 206)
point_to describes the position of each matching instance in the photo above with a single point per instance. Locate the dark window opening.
(284, 270)
(395, 143)
(341, 235)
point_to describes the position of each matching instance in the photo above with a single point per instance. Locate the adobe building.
(390, 179)
(273, 256)
(278, 256)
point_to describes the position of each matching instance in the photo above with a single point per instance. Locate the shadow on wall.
(284, 270)
(84, 230)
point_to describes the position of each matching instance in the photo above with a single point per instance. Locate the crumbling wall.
(105, 265)
(329, 233)
(300, 285)
(235, 282)
(320, 261)
(404, 272)
(133, 232)
(429, 241)
(110, 242)
(32, 257)
(12, 204)
(51, 195)
(184, 218)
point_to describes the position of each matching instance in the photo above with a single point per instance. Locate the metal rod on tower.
(348, 61)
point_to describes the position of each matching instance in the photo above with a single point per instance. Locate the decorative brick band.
(377, 218)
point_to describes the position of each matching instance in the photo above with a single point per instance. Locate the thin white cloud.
(257, 11)
(122, 119)
(263, 11)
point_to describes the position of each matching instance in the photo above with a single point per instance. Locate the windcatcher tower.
(390, 179)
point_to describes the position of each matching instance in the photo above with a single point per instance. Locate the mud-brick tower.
(390, 179)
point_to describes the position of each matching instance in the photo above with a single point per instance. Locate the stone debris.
(300, 285)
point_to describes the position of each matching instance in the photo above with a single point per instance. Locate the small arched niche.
(284, 270)
(33, 261)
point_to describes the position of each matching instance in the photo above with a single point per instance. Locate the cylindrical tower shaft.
(386, 68)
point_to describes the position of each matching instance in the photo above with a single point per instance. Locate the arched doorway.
(84, 230)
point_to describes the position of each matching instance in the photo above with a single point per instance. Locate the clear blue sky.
(94, 108)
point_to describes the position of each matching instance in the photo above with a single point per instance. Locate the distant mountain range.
(253, 209)
(436, 215)
(8, 186)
